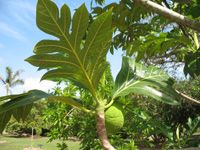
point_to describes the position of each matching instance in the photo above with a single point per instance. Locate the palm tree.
(11, 79)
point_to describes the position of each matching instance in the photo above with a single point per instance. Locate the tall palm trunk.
(7, 86)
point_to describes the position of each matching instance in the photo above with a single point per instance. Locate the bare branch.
(68, 114)
(188, 98)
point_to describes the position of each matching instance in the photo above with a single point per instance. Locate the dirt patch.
(2, 142)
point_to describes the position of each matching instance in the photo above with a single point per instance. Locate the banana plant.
(83, 64)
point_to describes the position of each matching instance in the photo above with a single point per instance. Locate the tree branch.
(188, 98)
(68, 114)
(167, 5)
(169, 14)
(180, 26)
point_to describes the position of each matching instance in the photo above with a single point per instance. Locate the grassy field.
(19, 143)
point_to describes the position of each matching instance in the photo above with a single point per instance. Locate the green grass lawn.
(19, 143)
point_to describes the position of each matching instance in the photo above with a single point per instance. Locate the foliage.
(131, 145)
(154, 39)
(154, 82)
(181, 141)
(156, 127)
(172, 116)
(88, 132)
(62, 146)
(33, 120)
(137, 125)
(178, 116)
(192, 63)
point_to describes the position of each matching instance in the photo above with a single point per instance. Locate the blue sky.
(18, 36)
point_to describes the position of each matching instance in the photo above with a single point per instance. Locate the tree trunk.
(169, 14)
(103, 137)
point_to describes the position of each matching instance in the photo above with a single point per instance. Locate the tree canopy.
(157, 32)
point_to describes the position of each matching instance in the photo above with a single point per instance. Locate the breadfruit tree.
(78, 56)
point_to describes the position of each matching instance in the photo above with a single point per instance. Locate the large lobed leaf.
(20, 105)
(82, 64)
(4, 119)
(18, 113)
(22, 112)
(137, 78)
(25, 99)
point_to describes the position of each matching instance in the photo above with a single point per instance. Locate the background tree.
(33, 120)
(12, 79)
(154, 38)
(173, 116)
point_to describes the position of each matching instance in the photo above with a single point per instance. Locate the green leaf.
(22, 99)
(192, 63)
(166, 130)
(156, 43)
(22, 112)
(17, 101)
(193, 125)
(156, 131)
(196, 41)
(20, 105)
(98, 63)
(133, 47)
(82, 63)
(136, 78)
(99, 30)
(4, 119)
(47, 18)
(70, 101)
(50, 61)
(79, 25)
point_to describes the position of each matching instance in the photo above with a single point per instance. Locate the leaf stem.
(87, 110)
(110, 103)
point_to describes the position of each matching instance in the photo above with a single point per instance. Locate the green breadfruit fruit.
(114, 118)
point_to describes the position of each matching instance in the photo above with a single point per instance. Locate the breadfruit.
(114, 118)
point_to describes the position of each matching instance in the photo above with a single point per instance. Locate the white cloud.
(24, 8)
(24, 12)
(25, 5)
(29, 84)
(2, 89)
(16, 16)
(5, 29)
(34, 83)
